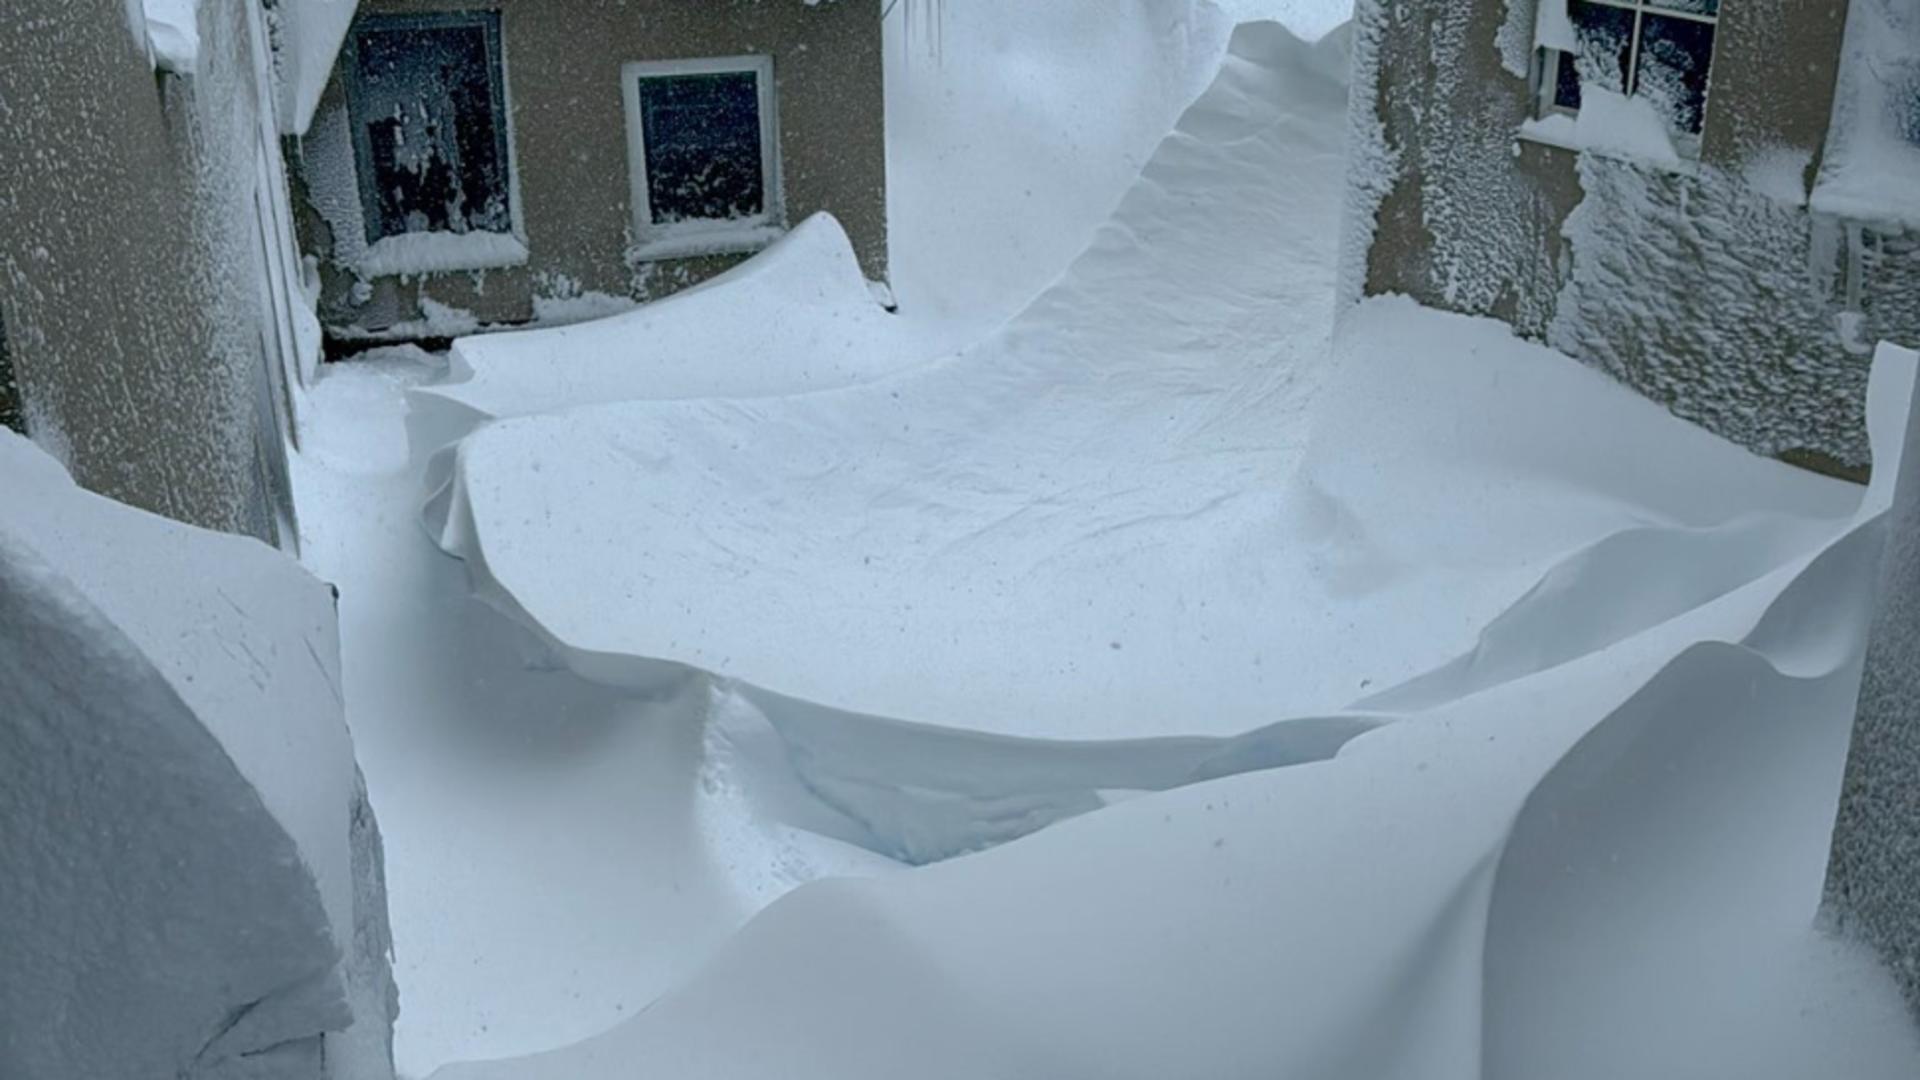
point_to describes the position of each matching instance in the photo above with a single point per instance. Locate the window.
(704, 154)
(428, 109)
(1657, 50)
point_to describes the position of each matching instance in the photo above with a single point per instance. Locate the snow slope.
(798, 316)
(1605, 867)
(193, 875)
(1105, 483)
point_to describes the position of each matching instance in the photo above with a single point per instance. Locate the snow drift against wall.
(307, 39)
(193, 874)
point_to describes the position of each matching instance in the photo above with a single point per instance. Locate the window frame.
(712, 236)
(490, 22)
(1547, 60)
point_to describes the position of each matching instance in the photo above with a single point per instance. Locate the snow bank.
(1620, 855)
(810, 323)
(195, 880)
(310, 33)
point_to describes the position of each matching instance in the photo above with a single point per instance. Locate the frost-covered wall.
(1873, 881)
(572, 232)
(128, 262)
(1707, 285)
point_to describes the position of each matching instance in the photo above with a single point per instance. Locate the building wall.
(1712, 290)
(569, 146)
(126, 289)
(1873, 877)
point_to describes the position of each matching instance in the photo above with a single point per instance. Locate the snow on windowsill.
(1613, 125)
(695, 240)
(412, 254)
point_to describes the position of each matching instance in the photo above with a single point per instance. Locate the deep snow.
(191, 874)
(1469, 595)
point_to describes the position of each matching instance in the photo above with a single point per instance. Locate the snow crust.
(174, 729)
(1619, 853)
(1873, 145)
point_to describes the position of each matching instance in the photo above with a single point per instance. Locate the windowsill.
(413, 254)
(695, 240)
(1563, 131)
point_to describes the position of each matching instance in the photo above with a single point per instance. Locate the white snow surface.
(798, 316)
(310, 33)
(1605, 867)
(173, 34)
(177, 831)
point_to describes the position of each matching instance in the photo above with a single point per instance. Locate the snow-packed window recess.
(704, 154)
(428, 106)
(1660, 51)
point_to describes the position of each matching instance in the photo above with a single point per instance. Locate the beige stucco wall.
(126, 290)
(1693, 287)
(569, 144)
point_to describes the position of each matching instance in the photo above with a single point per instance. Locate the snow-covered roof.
(1872, 168)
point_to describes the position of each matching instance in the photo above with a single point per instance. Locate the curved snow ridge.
(1621, 853)
(1633, 580)
(925, 793)
(797, 316)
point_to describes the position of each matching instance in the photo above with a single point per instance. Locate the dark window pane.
(1605, 35)
(427, 100)
(1906, 105)
(702, 135)
(1675, 57)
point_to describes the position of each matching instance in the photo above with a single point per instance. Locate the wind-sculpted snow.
(1609, 867)
(1148, 510)
(192, 881)
(799, 316)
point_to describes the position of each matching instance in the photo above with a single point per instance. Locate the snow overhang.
(306, 47)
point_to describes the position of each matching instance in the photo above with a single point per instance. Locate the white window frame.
(687, 238)
(1547, 75)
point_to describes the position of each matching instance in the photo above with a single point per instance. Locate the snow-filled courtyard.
(1124, 644)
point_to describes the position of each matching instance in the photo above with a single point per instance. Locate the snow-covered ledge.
(1611, 124)
(440, 252)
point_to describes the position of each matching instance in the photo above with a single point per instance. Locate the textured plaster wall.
(125, 266)
(1873, 881)
(1694, 287)
(569, 146)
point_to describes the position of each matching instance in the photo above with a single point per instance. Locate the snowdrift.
(192, 874)
(1607, 867)
(1124, 485)
(798, 316)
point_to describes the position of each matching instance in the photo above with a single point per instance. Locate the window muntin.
(427, 103)
(704, 152)
(1660, 50)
